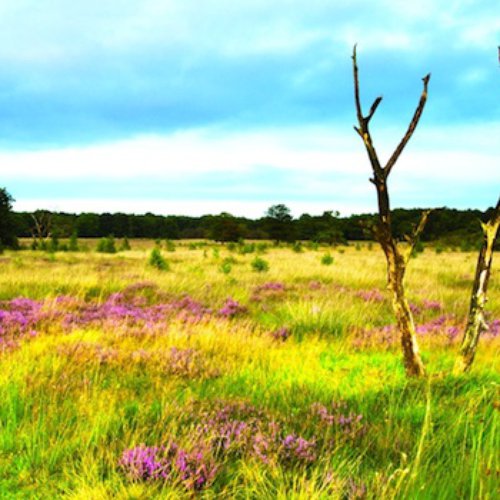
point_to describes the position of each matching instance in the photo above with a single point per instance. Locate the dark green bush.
(157, 260)
(260, 265)
(106, 245)
(327, 259)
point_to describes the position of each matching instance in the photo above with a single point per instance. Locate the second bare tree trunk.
(476, 323)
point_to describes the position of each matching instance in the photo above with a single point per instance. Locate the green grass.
(72, 402)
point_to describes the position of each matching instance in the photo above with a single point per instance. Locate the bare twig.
(417, 231)
(413, 125)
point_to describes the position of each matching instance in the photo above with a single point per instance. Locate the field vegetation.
(240, 370)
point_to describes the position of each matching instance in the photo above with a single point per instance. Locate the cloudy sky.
(203, 106)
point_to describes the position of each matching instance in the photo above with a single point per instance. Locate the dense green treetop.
(8, 227)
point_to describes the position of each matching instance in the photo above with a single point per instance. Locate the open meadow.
(241, 371)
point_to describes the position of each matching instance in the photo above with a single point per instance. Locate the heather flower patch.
(19, 319)
(237, 429)
(281, 334)
(446, 329)
(314, 285)
(337, 417)
(194, 469)
(445, 325)
(23, 317)
(293, 449)
(372, 295)
(432, 305)
(119, 309)
(231, 308)
(275, 286)
(149, 462)
(493, 330)
(270, 290)
(415, 308)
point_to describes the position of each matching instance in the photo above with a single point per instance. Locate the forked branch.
(417, 231)
(364, 121)
(411, 128)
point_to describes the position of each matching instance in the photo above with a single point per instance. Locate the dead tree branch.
(411, 128)
(417, 231)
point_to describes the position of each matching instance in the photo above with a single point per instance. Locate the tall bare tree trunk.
(404, 318)
(476, 323)
(396, 258)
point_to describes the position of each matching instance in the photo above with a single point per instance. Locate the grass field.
(217, 380)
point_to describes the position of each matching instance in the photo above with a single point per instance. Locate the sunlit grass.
(71, 401)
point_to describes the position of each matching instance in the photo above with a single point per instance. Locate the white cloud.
(252, 209)
(188, 153)
(434, 152)
(316, 165)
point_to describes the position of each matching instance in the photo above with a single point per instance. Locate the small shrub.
(466, 246)
(439, 248)
(418, 248)
(106, 245)
(156, 260)
(226, 266)
(170, 246)
(73, 243)
(247, 248)
(54, 244)
(262, 247)
(125, 244)
(297, 247)
(259, 265)
(327, 259)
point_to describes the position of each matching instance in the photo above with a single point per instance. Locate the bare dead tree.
(42, 228)
(397, 257)
(476, 323)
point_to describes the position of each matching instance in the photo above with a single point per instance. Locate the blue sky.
(203, 106)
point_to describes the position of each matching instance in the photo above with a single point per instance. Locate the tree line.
(454, 228)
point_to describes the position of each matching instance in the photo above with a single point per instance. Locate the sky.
(202, 106)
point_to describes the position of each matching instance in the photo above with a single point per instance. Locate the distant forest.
(450, 226)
